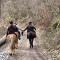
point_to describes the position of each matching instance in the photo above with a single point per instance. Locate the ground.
(23, 52)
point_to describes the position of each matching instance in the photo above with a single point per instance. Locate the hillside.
(45, 15)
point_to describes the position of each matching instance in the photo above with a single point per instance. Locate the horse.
(31, 35)
(13, 40)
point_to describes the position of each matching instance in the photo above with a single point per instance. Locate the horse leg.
(16, 44)
(30, 43)
(12, 47)
(19, 35)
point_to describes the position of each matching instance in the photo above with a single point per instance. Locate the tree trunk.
(0, 8)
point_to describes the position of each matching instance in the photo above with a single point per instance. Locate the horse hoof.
(10, 54)
(30, 46)
(16, 48)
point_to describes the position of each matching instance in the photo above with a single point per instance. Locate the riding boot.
(32, 43)
(30, 46)
(19, 38)
(19, 35)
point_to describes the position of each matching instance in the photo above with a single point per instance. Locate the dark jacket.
(30, 28)
(11, 29)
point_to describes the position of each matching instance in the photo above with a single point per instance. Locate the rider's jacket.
(30, 28)
(11, 29)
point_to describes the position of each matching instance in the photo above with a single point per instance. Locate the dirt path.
(23, 52)
(29, 54)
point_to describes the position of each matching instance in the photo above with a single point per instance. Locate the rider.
(15, 25)
(12, 29)
(30, 28)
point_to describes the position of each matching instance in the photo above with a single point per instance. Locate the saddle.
(31, 34)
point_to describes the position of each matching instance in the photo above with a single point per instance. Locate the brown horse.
(13, 40)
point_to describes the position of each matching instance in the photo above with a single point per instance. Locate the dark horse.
(31, 35)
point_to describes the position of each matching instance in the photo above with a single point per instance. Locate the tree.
(0, 8)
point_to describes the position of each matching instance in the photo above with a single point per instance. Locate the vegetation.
(45, 14)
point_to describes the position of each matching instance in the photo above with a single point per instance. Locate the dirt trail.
(23, 52)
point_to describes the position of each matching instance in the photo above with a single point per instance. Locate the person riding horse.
(12, 36)
(31, 33)
(12, 29)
